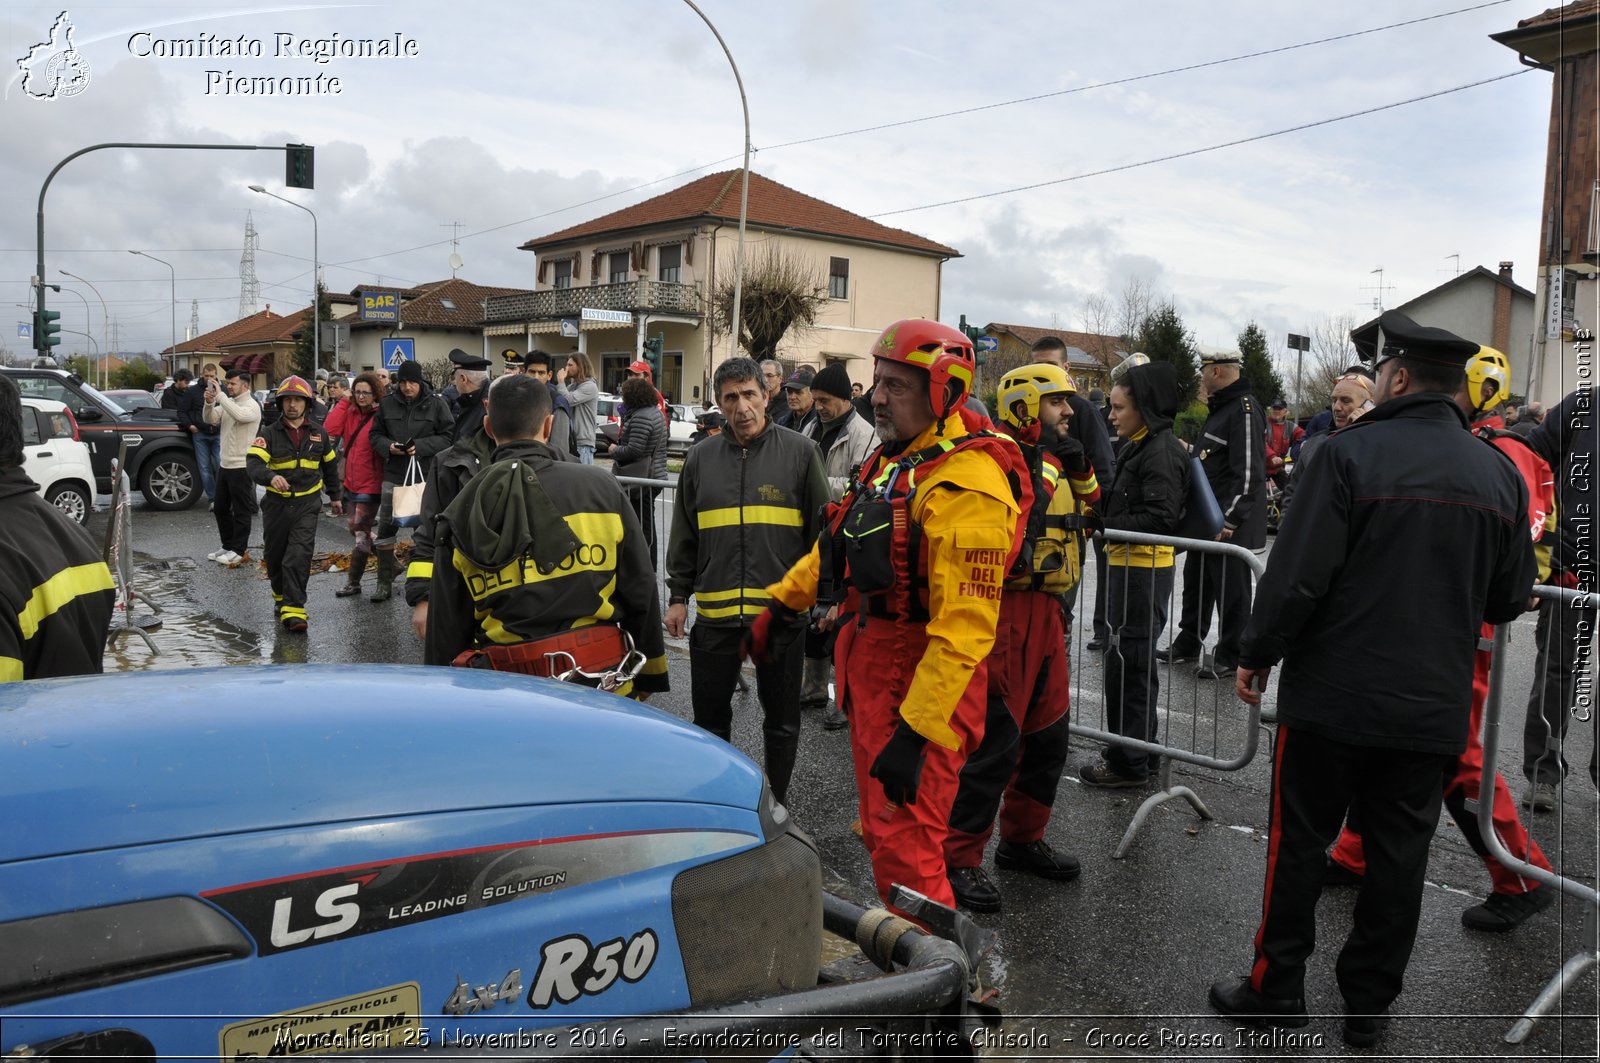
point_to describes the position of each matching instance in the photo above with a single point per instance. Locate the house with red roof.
(606, 285)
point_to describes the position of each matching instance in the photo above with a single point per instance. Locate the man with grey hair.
(772, 389)
(1532, 416)
(470, 375)
(747, 507)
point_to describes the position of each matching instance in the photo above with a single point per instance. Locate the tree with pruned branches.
(783, 293)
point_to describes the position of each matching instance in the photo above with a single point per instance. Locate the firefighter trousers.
(874, 666)
(1024, 747)
(1463, 782)
(1396, 794)
(289, 526)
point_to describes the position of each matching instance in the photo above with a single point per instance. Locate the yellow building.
(606, 285)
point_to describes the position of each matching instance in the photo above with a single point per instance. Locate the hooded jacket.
(534, 546)
(1152, 478)
(425, 421)
(56, 595)
(1406, 534)
(1232, 450)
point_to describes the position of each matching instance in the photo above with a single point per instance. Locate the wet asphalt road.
(1116, 963)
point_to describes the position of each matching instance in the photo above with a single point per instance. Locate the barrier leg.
(1161, 796)
(1551, 994)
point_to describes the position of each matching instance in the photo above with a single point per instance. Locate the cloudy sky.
(518, 120)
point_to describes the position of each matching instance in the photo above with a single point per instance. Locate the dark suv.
(161, 461)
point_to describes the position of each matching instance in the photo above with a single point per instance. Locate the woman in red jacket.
(351, 421)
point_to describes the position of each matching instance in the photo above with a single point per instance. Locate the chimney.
(1501, 331)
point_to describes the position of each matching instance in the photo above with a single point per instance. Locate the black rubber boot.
(385, 587)
(352, 581)
(780, 757)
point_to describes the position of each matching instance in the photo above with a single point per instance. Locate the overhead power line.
(1200, 151)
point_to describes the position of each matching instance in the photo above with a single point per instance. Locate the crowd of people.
(911, 566)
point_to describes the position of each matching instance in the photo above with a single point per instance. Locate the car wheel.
(170, 480)
(72, 499)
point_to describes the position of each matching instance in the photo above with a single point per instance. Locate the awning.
(231, 361)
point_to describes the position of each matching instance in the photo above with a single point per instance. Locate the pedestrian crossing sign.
(397, 351)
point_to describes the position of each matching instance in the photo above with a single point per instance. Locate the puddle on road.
(188, 637)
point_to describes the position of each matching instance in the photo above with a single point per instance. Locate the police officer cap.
(463, 360)
(1280, 405)
(513, 358)
(1222, 358)
(1403, 337)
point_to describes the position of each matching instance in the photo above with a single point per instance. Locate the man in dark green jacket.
(534, 546)
(748, 507)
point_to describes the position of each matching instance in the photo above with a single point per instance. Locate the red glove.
(757, 642)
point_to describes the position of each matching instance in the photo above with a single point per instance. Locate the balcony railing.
(640, 296)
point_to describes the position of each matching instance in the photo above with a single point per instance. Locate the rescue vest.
(1048, 560)
(871, 543)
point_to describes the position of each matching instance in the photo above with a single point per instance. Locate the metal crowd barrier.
(1226, 741)
(1589, 954)
(119, 559)
(653, 501)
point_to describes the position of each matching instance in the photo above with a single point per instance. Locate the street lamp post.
(316, 293)
(172, 360)
(744, 188)
(105, 327)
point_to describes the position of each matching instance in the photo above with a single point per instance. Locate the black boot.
(385, 587)
(780, 757)
(352, 581)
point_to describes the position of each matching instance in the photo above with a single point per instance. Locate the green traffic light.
(47, 325)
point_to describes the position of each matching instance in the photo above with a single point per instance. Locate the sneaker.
(1177, 653)
(1037, 858)
(1507, 911)
(834, 720)
(213, 555)
(1541, 797)
(1234, 997)
(973, 889)
(1336, 874)
(238, 559)
(225, 557)
(1105, 776)
(1363, 1031)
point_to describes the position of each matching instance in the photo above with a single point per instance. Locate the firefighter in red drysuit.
(1514, 898)
(910, 564)
(1024, 747)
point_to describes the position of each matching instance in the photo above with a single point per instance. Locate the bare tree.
(1136, 303)
(1098, 321)
(782, 295)
(1331, 352)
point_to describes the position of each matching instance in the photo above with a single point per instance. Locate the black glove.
(1071, 454)
(757, 641)
(899, 766)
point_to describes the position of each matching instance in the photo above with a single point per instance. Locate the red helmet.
(944, 352)
(294, 386)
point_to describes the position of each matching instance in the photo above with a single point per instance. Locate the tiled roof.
(1089, 342)
(277, 330)
(1569, 13)
(772, 206)
(229, 333)
(428, 309)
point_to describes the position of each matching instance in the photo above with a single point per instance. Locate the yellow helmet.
(1488, 378)
(1025, 386)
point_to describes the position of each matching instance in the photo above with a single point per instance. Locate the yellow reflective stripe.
(60, 591)
(10, 670)
(784, 516)
(654, 666)
(294, 463)
(730, 610)
(258, 452)
(419, 570)
(291, 612)
(737, 592)
(1051, 473)
(295, 494)
(332, 455)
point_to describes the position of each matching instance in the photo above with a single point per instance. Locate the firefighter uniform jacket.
(534, 546)
(741, 517)
(310, 468)
(967, 513)
(1407, 534)
(56, 595)
(1232, 449)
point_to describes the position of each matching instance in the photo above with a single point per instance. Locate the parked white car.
(56, 459)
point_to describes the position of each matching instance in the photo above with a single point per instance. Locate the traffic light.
(652, 353)
(972, 332)
(299, 165)
(46, 330)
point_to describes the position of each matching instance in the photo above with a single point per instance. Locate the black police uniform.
(467, 409)
(56, 595)
(1232, 451)
(289, 518)
(1408, 533)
